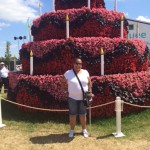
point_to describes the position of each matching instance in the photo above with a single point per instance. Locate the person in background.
(75, 95)
(4, 76)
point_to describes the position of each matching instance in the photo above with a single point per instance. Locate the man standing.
(75, 94)
(4, 77)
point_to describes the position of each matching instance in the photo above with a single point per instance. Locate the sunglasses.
(78, 63)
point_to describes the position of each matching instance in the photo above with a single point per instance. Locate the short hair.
(77, 59)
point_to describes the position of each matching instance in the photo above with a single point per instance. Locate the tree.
(2, 59)
(8, 57)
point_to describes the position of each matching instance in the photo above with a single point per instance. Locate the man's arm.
(89, 85)
(64, 83)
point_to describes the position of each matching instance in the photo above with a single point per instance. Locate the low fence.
(118, 109)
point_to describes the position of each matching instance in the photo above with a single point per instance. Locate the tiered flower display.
(89, 49)
(84, 22)
(126, 61)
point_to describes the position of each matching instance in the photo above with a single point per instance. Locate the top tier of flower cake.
(83, 22)
(69, 4)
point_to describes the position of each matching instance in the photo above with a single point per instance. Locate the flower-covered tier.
(55, 56)
(83, 22)
(44, 91)
(126, 61)
(69, 4)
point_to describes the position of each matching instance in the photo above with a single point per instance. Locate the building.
(139, 29)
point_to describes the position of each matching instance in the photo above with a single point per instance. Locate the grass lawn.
(41, 131)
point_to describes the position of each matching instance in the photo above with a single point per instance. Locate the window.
(131, 27)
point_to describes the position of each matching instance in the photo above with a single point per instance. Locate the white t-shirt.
(4, 72)
(74, 88)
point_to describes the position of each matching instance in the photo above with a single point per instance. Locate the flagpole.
(40, 9)
(115, 5)
(53, 5)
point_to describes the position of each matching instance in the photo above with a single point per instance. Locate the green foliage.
(2, 59)
(8, 53)
(8, 59)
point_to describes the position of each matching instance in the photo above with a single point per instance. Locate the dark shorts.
(76, 107)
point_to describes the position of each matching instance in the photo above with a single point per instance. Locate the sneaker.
(85, 133)
(71, 133)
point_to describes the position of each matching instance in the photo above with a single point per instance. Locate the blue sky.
(15, 13)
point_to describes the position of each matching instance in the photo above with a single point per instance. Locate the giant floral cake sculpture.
(126, 61)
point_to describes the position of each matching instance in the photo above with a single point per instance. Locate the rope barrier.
(102, 105)
(136, 105)
(54, 110)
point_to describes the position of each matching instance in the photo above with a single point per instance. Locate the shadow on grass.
(105, 136)
(52, 138)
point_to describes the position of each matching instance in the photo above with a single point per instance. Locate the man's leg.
(83, 121)
(72, 121)
(72, 115)
(6, 84)
(82, 112)
(1, 84)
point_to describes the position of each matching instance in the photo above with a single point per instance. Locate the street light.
(20, 38)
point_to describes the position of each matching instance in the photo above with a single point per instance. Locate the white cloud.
(3, 24)
(18, 10)
(142, 18)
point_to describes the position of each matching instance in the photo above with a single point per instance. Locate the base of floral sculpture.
(44, 91)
